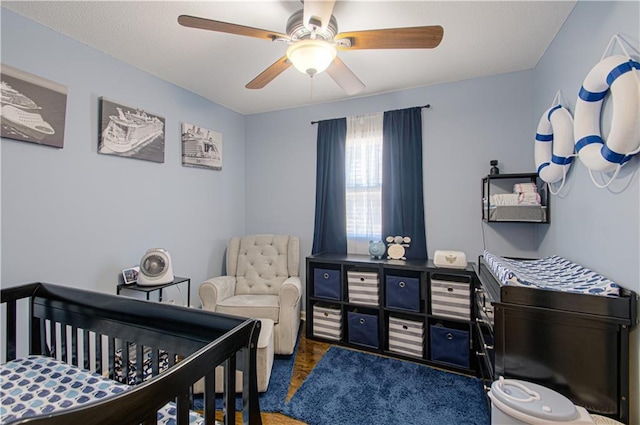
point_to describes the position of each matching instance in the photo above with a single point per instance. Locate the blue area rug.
(274, 398)
(349, 387)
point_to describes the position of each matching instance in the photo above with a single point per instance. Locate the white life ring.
(622, 76)
(554, 144)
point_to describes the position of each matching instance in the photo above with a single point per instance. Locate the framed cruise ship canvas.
(130, 132)
(201, 147)
(33, 109)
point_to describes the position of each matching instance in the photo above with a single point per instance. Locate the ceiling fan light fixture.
(311, 56)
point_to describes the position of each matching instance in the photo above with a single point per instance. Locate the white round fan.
(155, 268)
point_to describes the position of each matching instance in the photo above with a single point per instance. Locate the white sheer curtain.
(363, 181)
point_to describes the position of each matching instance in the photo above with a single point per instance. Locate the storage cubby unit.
(507, 211)
(407, 309)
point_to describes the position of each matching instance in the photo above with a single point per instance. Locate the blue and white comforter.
(38, 385)
(552, 273)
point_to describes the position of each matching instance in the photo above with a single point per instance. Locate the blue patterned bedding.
(38, 385)
(552, 273)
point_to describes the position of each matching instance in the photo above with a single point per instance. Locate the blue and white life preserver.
(554, 144)
(621, 75)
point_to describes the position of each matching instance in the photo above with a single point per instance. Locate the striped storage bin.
(327, 322)
(363, 287)
(406, 336)
(450, 299)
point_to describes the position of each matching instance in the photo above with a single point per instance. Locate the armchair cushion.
(261, 263)
(252, 306)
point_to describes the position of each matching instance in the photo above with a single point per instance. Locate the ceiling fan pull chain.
(312, 86)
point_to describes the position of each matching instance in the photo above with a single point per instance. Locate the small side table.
(148, 289)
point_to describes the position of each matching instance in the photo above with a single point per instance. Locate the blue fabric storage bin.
(402, 293)
(326, 283)
(450, 346)
(363, 329)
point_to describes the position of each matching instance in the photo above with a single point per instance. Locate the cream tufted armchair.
(262, 282)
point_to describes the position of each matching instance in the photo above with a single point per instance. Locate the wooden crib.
(89, 330)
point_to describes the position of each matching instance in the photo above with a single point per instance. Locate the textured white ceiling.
(480, 38)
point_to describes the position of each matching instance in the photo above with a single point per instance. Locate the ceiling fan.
(313, 38)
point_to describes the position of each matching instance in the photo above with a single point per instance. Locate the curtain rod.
(423, 106)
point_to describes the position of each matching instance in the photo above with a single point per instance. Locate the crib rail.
(88, 329)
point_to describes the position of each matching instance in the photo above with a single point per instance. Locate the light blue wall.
(599, 228)
(76, 217)
(469, 123)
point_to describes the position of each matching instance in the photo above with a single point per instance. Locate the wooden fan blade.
(317, 11)
(269, 74)
(394, 38)
(211, 25)
(344, 77)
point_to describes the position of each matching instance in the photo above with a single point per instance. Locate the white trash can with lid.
(515, 402)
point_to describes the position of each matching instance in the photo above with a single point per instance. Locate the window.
(363, 181)
(351, 196)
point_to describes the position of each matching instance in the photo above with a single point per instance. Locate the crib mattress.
(38, 385)
(551, 273)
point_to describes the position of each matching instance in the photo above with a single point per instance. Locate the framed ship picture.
(130, 132)
(32, 109)
(201, 147)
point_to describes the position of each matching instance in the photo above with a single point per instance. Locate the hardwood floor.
(309, 353)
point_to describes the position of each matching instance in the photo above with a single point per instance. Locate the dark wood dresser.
(575, 344)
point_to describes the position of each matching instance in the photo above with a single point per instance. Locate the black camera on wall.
(494, 169)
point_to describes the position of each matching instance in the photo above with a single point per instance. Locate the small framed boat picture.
(130, 132)
(33, 109)
(201, 147)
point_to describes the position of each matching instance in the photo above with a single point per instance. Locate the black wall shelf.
(503, 183)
